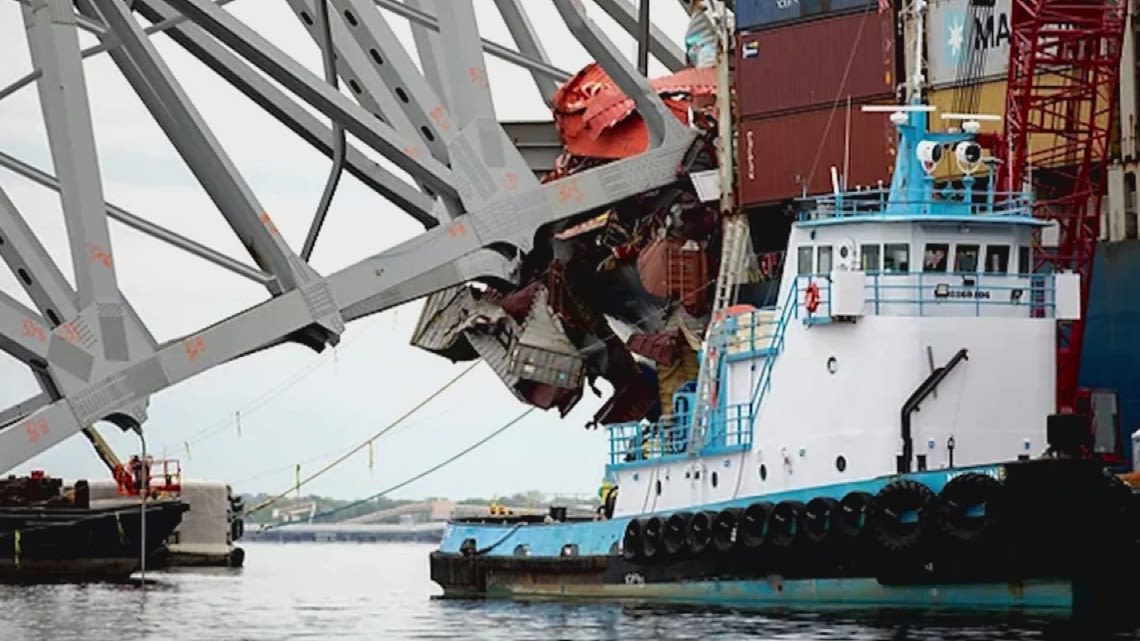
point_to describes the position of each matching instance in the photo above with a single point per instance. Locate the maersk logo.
(955, 36)
(990, 32)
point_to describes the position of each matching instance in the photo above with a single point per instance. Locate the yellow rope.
(299, 482)
(17, 550)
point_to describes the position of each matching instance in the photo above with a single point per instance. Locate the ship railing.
(940, 294)
(634, 442)
(788, 311)
(946, 201)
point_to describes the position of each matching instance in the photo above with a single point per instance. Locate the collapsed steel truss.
(475, 194)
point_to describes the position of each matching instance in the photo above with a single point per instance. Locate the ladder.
(735, 241)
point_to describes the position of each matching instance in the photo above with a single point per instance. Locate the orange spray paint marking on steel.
(265, 220)
(33, 329)
(193, 347)
(68, 332)
(97, 254)
(34, 428)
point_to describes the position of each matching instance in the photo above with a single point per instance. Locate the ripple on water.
(382, 592)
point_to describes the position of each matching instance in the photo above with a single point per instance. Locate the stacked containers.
(955, 31)
(798, 65)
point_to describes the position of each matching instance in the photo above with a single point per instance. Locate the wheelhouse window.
(823, 259)
(803, 260)
(896, 258)
(1023, 266)
(935, 257)
(966, 258)
(871, 257)
(997, 259)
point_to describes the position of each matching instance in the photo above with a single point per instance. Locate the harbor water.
(382, 592)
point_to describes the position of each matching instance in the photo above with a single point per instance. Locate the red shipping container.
(814, 63)
(780, 156)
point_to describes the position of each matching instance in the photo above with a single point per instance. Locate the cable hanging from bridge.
(368, 443)
(455, 457)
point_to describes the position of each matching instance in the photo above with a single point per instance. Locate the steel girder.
(474, 191)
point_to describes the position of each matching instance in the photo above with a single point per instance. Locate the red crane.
(1061, 103)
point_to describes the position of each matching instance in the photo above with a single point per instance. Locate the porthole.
(570, 549)
(635, 475)
(840, 463)
(832, 365)
(763, 472)
(714, 479)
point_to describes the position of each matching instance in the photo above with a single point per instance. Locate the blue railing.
(944, 294)
(947, 201)
(728, 427)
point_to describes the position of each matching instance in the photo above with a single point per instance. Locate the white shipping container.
(955, 29)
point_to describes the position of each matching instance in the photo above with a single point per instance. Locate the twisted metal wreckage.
(615, 235)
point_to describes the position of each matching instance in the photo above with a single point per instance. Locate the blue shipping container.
(753, 14)
(1110, 356)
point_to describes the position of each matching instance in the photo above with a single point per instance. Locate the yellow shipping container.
(991, 99)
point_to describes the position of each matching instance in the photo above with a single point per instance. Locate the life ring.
(700, 531)
(631, 549)
(651, 537)
(675, 537)
(724, 528)
(969, 508)
(819, 515)
(784, 523)
(811, 298)
(753, 529)
(900, 516)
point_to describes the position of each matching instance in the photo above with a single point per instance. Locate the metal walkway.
(474, 191)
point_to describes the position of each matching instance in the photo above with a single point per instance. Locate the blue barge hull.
(1111, 348)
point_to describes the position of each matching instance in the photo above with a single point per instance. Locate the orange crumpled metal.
(597, 120)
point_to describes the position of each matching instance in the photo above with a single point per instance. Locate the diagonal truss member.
(472, 188)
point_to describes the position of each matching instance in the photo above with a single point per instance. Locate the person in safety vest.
(608, 495)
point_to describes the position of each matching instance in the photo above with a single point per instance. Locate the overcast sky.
(296, 406)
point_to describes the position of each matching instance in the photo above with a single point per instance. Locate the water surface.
(351, 592)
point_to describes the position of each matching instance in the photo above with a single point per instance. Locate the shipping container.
(966, 42)
(810, 64)
(987, 98)
(759, 14)
(783, 157)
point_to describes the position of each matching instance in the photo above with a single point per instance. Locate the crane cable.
(417, 407)
(413, 479)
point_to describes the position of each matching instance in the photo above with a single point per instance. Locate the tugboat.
(49, 533)
(883, 436)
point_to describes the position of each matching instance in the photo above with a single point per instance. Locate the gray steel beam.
(286, 110)
(36, 272)
(403, 153)
(660, 44)
(141, 224)
(526, 39)
(34, 74)
(394, 68)
(416, 16)
(430, 50)
(81, 21)
(465, 69)
(54, 44)
(24, 334)
(23, 408)
(187, 131)
(643, 28)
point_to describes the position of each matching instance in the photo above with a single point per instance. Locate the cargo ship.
(796, 468)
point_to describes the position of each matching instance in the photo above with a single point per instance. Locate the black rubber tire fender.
(818, 520)
(675, 536)
(851, 517)
(959, 497)
(752, 532)
(651, 537)
(725, 527)
(886, 516)
(700, 531)
(785, 523)
(631, 547)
